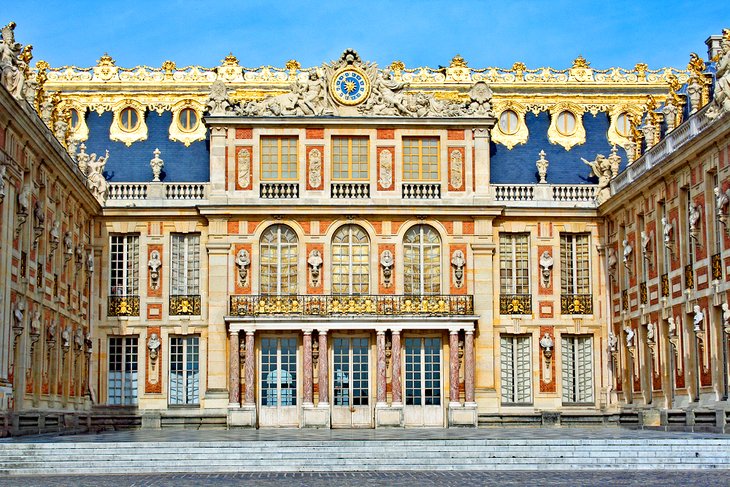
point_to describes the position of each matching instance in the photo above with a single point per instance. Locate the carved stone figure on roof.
(46, 110)
(694, 92)
(386, 97)
(218, 103)
(481, 98)
(12, 68)
(614, 161)
(542, 167)
(156, 164)
(96, 181)
(670, 114)
(601, 168)
(649, 131)
(312, 95)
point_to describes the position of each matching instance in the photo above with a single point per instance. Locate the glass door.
(423, 384)
(278, 393)
(351, 405)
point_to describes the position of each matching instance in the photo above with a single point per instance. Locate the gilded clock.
(350, 86)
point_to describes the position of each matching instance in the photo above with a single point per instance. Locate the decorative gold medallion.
(350, 85)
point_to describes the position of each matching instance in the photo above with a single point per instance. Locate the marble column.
(469, 367)
(381, 392)
(396, 365)
(308, 379)
(234, 373)
(323, 370)
(248, 370)
(454, 367)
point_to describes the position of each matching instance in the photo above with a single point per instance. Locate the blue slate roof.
(132, 164)
(517, 166)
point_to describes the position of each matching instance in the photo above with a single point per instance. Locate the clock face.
(350, 86)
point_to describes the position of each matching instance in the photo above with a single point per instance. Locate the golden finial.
(696, 64)
(230, 60)
(42, 65)
(580, 62)
(169, 66)
(41, 78)
(397, 66)
(293, 65)
(519, 68)
(640, 69)
(457, 62)
(105, 60)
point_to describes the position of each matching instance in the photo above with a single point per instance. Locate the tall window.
(350, 261)
(516, 369)
(420, 159)
(574, 264)
(185, 265)
(278, 257)
(349, 158)
(718, 224)
(422, 261)
(278, 158)
(577, 354)
(689, 240)
(122, 378)
(514, 263)
(185, 370)
(279, 371)
(124, 265)
(423, 371)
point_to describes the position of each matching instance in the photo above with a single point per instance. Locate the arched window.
(350, 261)
(278, 257)
(566, 123)
(422, 261)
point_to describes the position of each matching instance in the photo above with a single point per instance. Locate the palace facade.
(348, 245)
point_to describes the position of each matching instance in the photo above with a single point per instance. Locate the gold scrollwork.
(178, 131)
(117, 130)
(633, 112)
(184, 305)
(576, 135)
(123, 306)
(576, 304)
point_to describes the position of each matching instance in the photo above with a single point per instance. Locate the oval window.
(566, 123)
(508, 122)
(75, 119)
(623, 125)
(129, 119)
(187, 120)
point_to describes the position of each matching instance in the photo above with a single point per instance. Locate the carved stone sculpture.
(51, 333)
(2, 182)
(18, 315)
(154, 265)
(24, 201)
(153, 345)
(629, 336)
(480, 103)
(721, 101)
(458, 262)
(628, 250)
(645, 248)
(726, 318)
(315, 263)
(96, 181)
(12, 65)
(721, 203)
(614, 161)
(244, 168)
(612, 342)
(156, 164)
(315, 169)
(386, 169)
(66, 338)
(90, 261)
(68, 245)
(79, 339)
(667, 229)
(612, 261)
(601, 168)
(670, 114)
(79, 257)
(218, 103)
(649, 131)
(694, 92)
(697, 318)
(546, 266)
(650, 332)
(694, 220)
(35, 324)
(547, 344)
(55, 236)
(457, 169)
(672, 328)
(88, 343)
(542, 167)
(386, 261)
(243, 260)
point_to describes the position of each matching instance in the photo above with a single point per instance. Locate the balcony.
(350, 191)
(515, 304)
(156, 194)
(665, 285)
(553, 195)
(345, 305)
(184, 305)
(123, 306)
(421, 191)
(716, 265)
(576, 304)
(279, 191)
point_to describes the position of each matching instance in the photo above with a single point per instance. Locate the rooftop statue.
(721, 103)
(12, 64)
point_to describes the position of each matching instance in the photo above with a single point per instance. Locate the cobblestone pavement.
(612, 478)
(525, 433)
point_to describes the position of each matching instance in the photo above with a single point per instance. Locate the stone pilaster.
(453, 368)
(323, 367)
(307, 400)
(381, 378)
(396, 365)
(217, 299)
(481, 161)
(234, 373)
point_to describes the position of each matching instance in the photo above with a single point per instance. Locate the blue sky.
(420, 33)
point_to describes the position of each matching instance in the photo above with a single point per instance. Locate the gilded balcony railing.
(643, 294)
(716, 263)
(576, 304)
(339, 305)
(665, 285)
(625, 300)
(515, 304)
(123, 306)
(181, 305)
